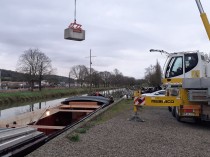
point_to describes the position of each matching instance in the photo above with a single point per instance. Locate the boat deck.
(47, 122)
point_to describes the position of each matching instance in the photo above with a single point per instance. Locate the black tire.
(169, 108)
(178, 118)
(173, 112)
(197, 120)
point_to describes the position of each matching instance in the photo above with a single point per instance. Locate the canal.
(33, 106)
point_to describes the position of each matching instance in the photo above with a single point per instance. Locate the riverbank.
(28, 96)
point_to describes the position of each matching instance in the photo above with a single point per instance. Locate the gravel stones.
(160, 135)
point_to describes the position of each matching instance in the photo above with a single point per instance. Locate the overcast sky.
(119, 32)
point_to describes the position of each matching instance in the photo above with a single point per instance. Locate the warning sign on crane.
(139, 101)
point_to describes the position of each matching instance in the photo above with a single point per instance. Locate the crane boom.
(203, 17)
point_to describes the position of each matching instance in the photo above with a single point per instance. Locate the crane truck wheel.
(197, 120)
(178, 118)
(169, 108)
(173, 111)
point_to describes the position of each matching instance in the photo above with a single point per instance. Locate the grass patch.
(74, 137)
(27, 96)
(124, 105)
(121, 107)
(82, 130)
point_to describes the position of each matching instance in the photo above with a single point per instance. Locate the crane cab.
(186, 65)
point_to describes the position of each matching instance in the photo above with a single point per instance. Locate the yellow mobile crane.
(187, 82)
(186, 78)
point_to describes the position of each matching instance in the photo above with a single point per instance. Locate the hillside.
(14, 76)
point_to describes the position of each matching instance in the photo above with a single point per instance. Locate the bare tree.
(44, 67)
(96, 78)
(35, 64)
(158, 74)
(105, 77)
(80, 73)
(128, 81)
(153, 75)
(117, 78)
(149, 72)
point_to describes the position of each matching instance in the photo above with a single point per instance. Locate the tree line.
(85, 76)
(34, 66)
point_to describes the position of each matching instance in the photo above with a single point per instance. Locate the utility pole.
(91, 71)
(0, 79)
(69, 80)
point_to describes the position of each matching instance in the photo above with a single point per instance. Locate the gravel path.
(159, 136)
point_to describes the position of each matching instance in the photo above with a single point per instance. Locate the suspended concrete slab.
(71, 34)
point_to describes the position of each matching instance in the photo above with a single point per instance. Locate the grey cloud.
(119, 32)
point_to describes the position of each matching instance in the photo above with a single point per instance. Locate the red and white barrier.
(139, 101)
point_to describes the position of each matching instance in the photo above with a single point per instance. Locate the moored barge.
(27, 131)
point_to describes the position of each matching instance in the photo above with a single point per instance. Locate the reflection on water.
(10, 112)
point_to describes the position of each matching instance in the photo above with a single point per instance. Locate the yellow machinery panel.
(162, 101)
